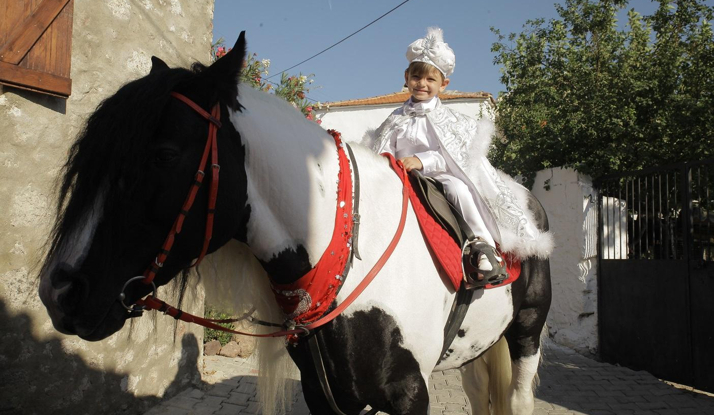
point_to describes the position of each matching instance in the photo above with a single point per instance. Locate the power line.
(325, 50)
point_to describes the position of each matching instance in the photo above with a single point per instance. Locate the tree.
(583, 93)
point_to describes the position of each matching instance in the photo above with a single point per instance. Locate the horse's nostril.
(70, 289)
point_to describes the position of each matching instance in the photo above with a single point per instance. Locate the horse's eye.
(165, 156)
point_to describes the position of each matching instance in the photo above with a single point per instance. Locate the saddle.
(431, 195)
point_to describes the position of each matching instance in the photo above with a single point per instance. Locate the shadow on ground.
(39, 377)
(574, 383)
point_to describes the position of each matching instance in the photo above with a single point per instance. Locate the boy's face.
(426, 86)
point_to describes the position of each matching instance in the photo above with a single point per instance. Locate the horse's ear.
(225, 72)
(229, 66)
(158, 65)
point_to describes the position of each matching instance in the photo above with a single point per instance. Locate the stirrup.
(471, 253)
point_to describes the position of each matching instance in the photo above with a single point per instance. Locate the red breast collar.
(308, 298)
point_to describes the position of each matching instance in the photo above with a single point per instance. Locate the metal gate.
(656, 272)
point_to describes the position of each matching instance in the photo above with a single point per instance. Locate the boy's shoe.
(482, 265)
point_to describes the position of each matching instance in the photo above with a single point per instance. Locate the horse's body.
(277, 195)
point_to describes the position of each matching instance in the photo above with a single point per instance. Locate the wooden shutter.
(36, 45)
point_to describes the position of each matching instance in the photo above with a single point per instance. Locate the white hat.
(433, 50)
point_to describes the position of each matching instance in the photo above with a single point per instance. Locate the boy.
(425, 135)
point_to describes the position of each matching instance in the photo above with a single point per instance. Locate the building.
(357, 117)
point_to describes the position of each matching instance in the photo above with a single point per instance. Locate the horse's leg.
(311, 386)
(524, 335)
(366, 364)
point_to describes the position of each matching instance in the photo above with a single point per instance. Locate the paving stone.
(157, 410)
(237, 398)
(215, 401)
(222, 390)
(570, 385)
(195, 393)
(230, 409)
(205, 410)
(183, 402)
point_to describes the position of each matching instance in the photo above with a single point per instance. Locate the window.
(36, 45)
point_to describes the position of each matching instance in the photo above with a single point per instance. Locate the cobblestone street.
(571, 384)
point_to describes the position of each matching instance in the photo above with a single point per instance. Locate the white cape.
(502, 202)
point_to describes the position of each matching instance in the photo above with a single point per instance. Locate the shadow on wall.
(39, 377)
(56, 104)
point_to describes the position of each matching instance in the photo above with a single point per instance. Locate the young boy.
(425, 135)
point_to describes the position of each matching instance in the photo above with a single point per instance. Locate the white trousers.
(459, 195)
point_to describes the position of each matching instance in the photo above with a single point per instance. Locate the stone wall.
(571, 204)
(44, 371)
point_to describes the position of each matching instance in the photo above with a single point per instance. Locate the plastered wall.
(570, 202)
(355, 123)
(43, 371)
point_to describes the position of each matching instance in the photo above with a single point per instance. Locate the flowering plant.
(291, 88)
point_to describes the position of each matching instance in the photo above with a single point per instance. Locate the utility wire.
(325, 50)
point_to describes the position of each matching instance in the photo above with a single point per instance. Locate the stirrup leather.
(471, 253)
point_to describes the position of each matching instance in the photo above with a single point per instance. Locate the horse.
(126, 178)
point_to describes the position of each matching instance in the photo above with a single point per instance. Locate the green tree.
(583, 93)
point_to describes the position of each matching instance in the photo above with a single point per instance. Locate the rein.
(151, 302)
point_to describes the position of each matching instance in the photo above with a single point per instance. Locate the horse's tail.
(498, 362)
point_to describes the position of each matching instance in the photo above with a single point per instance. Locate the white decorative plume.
(433, 35)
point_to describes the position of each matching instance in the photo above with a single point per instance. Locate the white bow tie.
(416, 110)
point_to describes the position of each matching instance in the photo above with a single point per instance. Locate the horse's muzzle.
(69, 291)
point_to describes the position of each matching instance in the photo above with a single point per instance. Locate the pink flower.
(309, 116)
(318, 122)
(308, 109)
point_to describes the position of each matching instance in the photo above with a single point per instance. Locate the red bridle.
(212, 149)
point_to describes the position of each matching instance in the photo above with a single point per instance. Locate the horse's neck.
(291, 166)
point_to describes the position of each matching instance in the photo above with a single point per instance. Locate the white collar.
(421, 107)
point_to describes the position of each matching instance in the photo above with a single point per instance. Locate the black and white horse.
(126, 179)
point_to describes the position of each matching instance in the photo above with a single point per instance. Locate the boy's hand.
(411, 163)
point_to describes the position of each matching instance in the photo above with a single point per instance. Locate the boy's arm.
(433, 162)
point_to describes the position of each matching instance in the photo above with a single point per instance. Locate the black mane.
(112, 151)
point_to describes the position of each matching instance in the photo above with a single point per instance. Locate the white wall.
(571, 204)
(355, 122)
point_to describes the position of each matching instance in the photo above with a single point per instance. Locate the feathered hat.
(433, 50)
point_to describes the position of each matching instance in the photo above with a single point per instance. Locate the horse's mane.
(110, 153)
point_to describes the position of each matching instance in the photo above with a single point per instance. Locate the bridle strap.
(212, 149)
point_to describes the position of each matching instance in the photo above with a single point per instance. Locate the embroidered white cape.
(502, 202)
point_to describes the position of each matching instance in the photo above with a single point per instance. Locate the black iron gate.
(656, 272)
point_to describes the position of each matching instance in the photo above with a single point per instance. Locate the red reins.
(153, 303)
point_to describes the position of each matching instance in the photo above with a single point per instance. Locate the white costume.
(452, 148)
(417, 137)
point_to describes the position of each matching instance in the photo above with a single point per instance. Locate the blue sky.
(372, 62)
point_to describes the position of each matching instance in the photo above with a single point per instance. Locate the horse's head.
(124, 184)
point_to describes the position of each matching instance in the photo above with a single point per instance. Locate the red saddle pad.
(446, 251)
